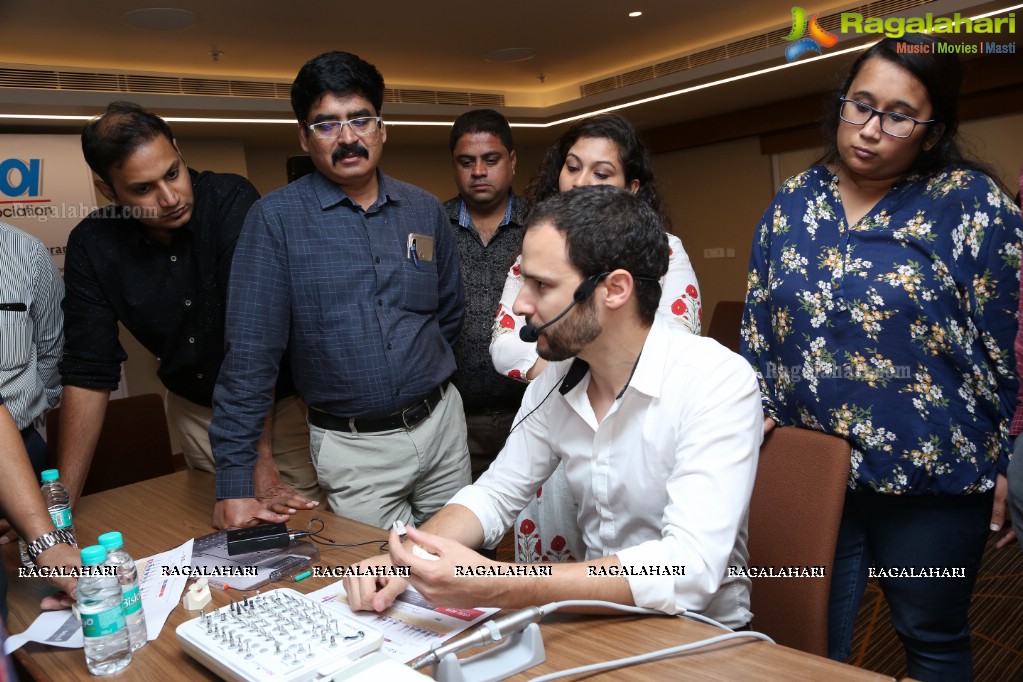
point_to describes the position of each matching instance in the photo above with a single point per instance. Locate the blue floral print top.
(896, 333)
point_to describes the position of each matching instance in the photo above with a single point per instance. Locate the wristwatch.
(47, 540)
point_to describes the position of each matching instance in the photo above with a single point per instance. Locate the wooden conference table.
(161, 513)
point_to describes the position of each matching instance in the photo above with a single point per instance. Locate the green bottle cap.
(93, 555)
(111, 541)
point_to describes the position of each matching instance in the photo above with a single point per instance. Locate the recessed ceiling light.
(635, 14)
(160, 19)
(511, 54)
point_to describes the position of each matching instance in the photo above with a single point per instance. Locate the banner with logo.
(45, 187)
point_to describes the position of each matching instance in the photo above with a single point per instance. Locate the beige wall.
(716, 195)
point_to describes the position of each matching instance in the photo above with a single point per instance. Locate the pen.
(412, 252)
(302, 576)
(21, 307)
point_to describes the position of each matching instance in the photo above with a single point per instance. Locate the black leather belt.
(408, 418)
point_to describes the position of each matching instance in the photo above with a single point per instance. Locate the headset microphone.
(530, 333)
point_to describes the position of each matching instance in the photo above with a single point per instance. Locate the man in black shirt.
(158, 261)
(487, 221)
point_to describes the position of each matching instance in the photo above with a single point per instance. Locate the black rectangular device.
(257, 538)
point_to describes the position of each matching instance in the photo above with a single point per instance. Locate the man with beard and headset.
(356, 274)
(659, 431)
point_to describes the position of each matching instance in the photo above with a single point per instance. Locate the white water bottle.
(104, 630)
(128, 576)
(57, 500)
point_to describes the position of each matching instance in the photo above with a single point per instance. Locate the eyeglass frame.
(881, 114)
(341, 127)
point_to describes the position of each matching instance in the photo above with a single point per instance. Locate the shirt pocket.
(15, 339)
(420, 286)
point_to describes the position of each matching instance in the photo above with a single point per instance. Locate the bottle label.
(61, 518)
(132, 600)
(103, 623)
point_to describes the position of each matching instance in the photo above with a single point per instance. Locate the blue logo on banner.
(18, 178)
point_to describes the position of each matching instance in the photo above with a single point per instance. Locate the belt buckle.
(405, 412)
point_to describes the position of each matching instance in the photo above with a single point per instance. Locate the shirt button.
(199, 375)
(174, 259)
(188, 301)
(380, 301)
(397, 391)
(378, 259)
(191, 339)
(389, 347)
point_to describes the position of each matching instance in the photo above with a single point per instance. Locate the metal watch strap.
(47, 540)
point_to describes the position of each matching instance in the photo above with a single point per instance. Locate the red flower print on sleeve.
(691, 291)
(515, 374)
(515, 270)
(527, 527)
(558, 543)
(508, 322)
(679, 307)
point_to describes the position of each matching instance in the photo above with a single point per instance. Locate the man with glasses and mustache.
(356, 276)
(156, 260)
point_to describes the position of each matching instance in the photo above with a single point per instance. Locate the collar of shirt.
(330, 194)
(465, 220)
(646, 377)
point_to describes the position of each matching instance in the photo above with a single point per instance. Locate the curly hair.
(633, 156)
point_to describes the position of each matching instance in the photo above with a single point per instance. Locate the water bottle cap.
(50, 475)
(93, 555)
(112, 540)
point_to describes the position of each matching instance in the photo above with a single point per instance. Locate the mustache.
(348, 150)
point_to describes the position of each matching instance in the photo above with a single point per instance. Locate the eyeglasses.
(331, 130)
(892, 123)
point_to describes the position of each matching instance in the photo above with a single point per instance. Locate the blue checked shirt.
(369, 330)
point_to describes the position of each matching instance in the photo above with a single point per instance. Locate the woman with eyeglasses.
(882, 309)
(600, 150)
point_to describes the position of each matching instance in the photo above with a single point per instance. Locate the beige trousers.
(400, 475)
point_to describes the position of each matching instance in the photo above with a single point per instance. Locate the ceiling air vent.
(46, 79)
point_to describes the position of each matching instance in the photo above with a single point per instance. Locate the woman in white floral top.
(882, 308)
(600, 150)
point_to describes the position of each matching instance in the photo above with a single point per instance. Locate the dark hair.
(482, 121)
(607, 228)
(111, 137)
(341, 73)
(941, 75)
(636, 163)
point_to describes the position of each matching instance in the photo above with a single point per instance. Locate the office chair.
(794, 516)
(133, 446)
(726, 323)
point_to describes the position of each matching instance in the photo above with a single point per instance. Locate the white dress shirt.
(664, 480)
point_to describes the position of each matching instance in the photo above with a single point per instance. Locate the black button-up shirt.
(171, 297)
(484, 269)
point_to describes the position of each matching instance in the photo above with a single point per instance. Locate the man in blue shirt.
(355, 274)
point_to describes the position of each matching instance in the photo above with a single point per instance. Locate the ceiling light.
(160, 19)
(635, 14)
